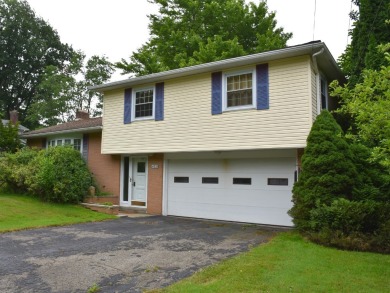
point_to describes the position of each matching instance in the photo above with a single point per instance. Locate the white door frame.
(130, 183)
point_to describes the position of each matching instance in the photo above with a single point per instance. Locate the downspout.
(315, 60)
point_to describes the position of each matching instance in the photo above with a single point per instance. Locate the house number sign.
(154, 166)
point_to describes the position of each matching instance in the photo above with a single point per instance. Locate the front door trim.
(130, 179)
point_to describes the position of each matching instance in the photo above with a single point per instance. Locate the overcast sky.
(116, 28)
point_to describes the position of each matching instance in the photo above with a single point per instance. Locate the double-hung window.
(143, 104)
(239, 91)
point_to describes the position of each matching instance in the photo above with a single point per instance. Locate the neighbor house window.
(239, 91)
(143, 104)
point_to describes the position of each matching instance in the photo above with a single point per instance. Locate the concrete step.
(132, 210)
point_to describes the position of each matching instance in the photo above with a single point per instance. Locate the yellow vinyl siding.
(189, 126)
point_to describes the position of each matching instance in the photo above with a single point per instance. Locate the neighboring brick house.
(221, 140)
(85, 135)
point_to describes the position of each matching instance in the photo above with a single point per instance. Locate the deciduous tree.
(28, 45)
(370, 29)
(192, 32)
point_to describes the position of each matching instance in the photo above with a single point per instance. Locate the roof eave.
(287, 52)
(78, 130)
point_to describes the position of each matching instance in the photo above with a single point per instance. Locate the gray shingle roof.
(21, 127)
(73, 126)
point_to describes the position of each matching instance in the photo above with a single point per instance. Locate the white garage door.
(242, 190)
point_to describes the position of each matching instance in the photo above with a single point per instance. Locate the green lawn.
(22, 212)
(290, 264)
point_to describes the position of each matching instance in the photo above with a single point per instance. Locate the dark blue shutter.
(159, 115)
(262, 83)
(127, 111)
(216, 93)
(85, 147)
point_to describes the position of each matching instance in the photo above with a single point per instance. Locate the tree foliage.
(368, 104)
(370, 29)
(62, 92)
(193, 32)
(28, 45)
(9, 138)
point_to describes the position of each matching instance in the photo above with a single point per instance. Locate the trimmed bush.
(59, 175)
(342, 197)
(327, 170)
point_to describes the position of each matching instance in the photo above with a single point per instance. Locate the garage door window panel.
(278, 181)
(178, 179)
(242, 181)
(210, 180)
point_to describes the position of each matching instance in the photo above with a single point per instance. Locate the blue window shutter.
(262, 86)
(216, 93)
(159, 115)
(127, 112)
(85, 147)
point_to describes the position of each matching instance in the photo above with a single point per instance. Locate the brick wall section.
(35, 142)
(105, 168)
(155, 184)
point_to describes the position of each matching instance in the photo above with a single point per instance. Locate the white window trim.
(49, 140)
(320, 78)
(225, 108)
(153, 88)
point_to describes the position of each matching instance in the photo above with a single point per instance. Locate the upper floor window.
(239, 91)
(143, 104)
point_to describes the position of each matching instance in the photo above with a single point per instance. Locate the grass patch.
(19, 212)
(289, 263)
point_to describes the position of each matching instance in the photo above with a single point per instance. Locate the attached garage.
(243, 190)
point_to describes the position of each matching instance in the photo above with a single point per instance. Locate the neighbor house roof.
(81, 125)
(316, 49)
(21, 127)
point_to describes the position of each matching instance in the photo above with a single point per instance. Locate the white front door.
(139, 180)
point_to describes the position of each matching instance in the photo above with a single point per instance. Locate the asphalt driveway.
(123, 255)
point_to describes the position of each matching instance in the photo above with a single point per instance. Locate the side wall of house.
(36, 143)
(188, 124)
(105, 168)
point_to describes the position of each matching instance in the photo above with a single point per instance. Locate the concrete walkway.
(123, 255)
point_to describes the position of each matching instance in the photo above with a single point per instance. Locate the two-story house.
(220, 140)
